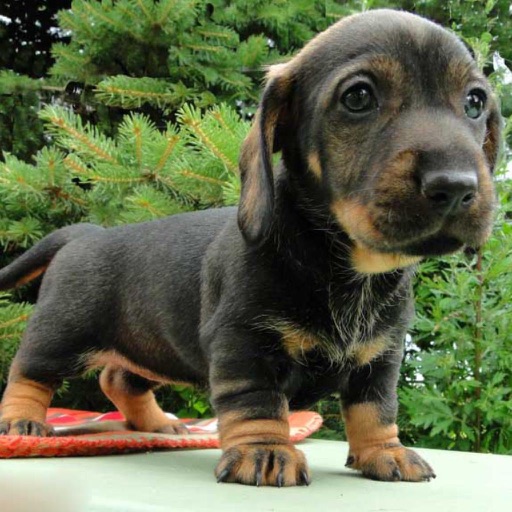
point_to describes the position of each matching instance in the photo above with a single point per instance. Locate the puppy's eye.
(475, 103)
(359, 99)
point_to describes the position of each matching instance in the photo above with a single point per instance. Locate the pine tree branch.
(144, 10)
(203, 48)
(166, 96)
(63, 51)
(12, 321)
(106, 179)
(171, 144)
(164, 15)
(106, 19)
(201, 177)
(216, 114)
(201, 135)
(165, 180)
(138, 145)
(60, 123)
(75, 166)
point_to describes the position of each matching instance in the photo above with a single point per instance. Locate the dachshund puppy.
(388, 136)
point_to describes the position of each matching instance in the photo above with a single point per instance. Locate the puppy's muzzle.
(449, 192)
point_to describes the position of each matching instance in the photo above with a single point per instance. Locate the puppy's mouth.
(395, 231)
(435, 245)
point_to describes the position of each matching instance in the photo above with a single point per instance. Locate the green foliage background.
(132, 110)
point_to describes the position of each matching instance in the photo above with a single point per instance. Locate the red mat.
(85, 433)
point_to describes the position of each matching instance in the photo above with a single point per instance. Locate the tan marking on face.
(355, 219)
(358, 220)
(486, 189)
(31, 276)
(365, 430)
(235, 430)
(368, 261)
(477, 222)
(364, 353)
(141, 411)
(486, 195)
(458, 74)
(391, 71)
(314, 164)
(395, 181)
(493, 133)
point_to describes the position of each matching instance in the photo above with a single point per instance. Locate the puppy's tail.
(34, 262)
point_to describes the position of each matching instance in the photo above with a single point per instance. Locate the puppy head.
(395, 125)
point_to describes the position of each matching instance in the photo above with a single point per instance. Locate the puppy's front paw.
(391, 463)
(263, 464)
(22, 427)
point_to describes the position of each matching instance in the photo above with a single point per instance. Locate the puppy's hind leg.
(134, 398)
(51, 350)
(24, 405)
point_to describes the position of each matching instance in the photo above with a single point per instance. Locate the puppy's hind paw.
(168, 426)
(22, 427)
(172, 427)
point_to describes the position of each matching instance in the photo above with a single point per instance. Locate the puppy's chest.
(350, 328)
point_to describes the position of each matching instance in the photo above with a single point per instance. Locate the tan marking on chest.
(297, 341)
(364, 353)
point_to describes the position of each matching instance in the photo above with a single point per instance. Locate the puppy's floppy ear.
(255, 211)
(492, 142)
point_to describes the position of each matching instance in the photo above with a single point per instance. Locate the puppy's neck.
(304, 231)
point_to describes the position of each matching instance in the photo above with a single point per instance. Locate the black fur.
(193, 298)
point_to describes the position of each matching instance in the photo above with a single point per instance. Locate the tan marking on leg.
(365, 430)
(31, 276)
(26, 399)
(235, 430)
(24, 406)
(375, 449)
(141, 411)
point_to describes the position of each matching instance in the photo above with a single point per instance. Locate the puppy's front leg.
(369, 409)
(253, 417)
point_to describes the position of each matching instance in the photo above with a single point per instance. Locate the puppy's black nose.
(449, 191)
